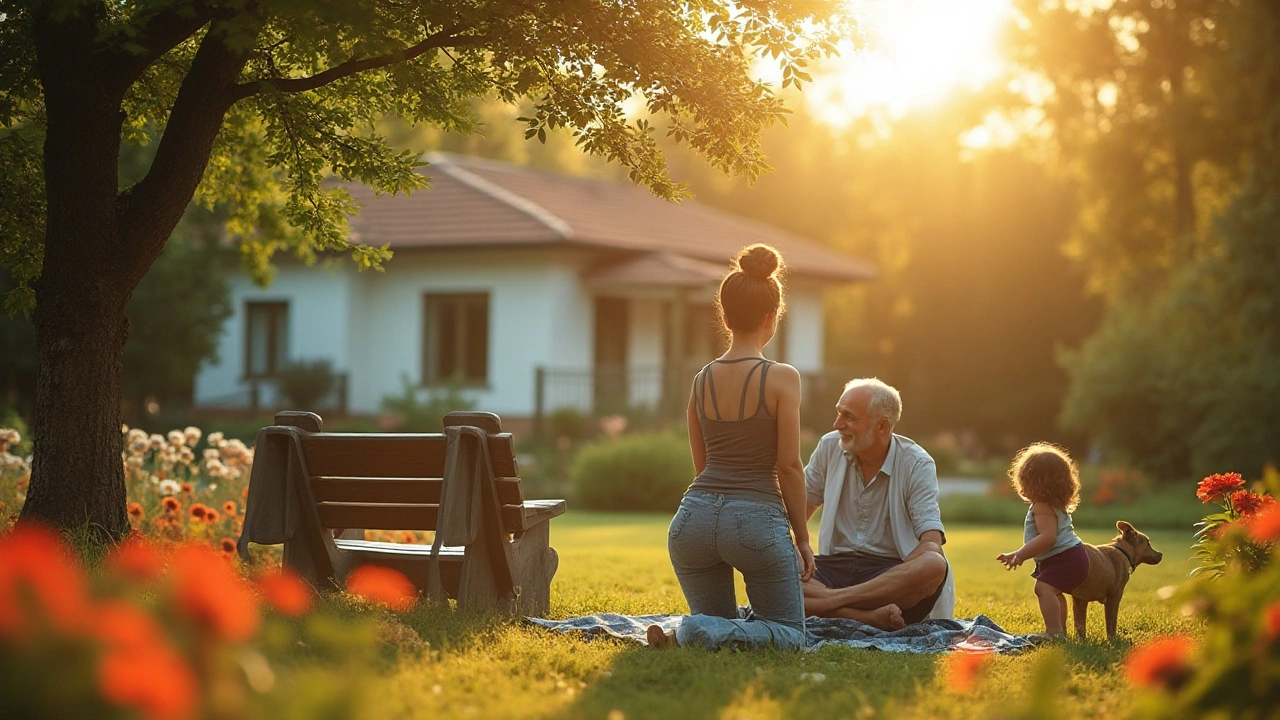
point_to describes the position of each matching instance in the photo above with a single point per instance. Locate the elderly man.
(880, 541)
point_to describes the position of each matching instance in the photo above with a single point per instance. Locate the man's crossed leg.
(884, 592)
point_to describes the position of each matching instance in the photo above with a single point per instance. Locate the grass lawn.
(487, 667)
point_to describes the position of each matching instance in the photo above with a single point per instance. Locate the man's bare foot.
(660, 639)
(888, 617)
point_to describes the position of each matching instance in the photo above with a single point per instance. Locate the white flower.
(186, 455)
(155, 480)
(215, 439)
(137, 447)
(124, 429)
(176, 438)
(193, 434)
(169, 487)
(134, 461)
(210, 453)
(157, 442)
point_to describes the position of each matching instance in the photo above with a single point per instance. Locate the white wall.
(318, 326)
(371, 326)
(645, 350)
(804, 328)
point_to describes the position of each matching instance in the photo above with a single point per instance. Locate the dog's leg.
(1079, 611)
(1112, 606)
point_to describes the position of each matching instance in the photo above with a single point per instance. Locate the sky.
(912, 54)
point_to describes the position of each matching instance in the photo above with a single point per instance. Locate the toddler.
(1046, 477)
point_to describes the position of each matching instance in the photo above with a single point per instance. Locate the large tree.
(255, 102)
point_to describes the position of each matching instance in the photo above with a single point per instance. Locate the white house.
(531, 290)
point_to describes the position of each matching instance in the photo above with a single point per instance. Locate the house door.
(610, 377)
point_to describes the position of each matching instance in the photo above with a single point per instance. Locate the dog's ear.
(1125, 528)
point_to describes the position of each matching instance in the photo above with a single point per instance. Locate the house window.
(266, 338)
(456, 339)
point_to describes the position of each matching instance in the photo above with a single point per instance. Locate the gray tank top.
(742, 454)
(1066, 539)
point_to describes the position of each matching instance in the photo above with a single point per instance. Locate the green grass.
(485, 667)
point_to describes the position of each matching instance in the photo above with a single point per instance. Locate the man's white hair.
(884, 399)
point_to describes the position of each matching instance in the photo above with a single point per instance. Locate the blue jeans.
(710, 535)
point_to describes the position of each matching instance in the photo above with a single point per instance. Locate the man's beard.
(857, 443)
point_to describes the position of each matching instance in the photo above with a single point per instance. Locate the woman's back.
(739, 429)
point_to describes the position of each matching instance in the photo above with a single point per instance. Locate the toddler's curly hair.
(1044, 472)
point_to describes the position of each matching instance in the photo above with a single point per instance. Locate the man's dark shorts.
(848, 569)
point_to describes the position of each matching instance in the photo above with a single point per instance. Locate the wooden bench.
(310, 489)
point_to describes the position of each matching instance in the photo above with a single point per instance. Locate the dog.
(1110, 566)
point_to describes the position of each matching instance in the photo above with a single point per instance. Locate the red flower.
(34, 564)
(171, 505)
(1162, 663)
(1245, 502)
(140, 668)
(1271, 620)
(1214, 487)
(1264, 527)
(286, 592)
(382, 585)
(228, 546)
(186, 487)
(210, 594)
(211, 516)
(963, 669)
(199, 511)
(136, 559)
(229, 507)
(135, 510)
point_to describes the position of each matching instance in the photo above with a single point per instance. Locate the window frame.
(278, 322)
(432, 348)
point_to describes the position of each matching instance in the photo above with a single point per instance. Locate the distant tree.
(254, 102)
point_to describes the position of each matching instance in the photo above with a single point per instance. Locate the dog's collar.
(1128, 557)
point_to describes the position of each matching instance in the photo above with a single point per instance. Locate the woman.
(750, 481)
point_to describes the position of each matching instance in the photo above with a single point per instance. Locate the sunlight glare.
(915, 53)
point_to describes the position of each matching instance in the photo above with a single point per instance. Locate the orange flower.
(408, 537)
(1264, 527)
(171, 505)
(1271, 620)
(137, 559)
(228, 546)
(382, 585)
(186, 487)
(35, 563)
(229, 507)
(1163, 663)
(1214, 487)
(964, 668)
(211, 516)
(199, 511)
(1245, 502)
(209, 593)
(135, 510)
(286, 591)
(140, 668)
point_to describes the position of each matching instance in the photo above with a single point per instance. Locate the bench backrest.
(393, 481)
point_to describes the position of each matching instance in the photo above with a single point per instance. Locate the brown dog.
(1110, 566)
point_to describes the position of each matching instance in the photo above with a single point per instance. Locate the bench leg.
(477, 585)
(533, 563)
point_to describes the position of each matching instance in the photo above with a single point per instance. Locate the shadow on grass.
(1096, 654)
(692, 683)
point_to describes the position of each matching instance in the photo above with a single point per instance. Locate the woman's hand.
(807, 563)
(1010, 560)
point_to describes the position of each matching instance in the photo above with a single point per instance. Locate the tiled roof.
(474, 203)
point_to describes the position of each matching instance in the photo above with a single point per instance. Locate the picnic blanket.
(981, 634)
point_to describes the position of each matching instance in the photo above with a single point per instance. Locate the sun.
(914, 53)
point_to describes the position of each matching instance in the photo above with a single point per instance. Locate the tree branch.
(151, 209)
(159, 34)
(443, 38)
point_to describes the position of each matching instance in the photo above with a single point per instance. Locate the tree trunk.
(77, 479)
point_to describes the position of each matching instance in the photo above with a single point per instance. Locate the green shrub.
(305, 383)
(569, 423)
(637, 472)
(426, 414)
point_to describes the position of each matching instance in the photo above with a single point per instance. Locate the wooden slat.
(399, 490)
(412, 549)
(393, 455)
(400, 516)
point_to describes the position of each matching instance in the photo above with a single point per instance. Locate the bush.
(569, 423)
(425, 415)
(638, 472)
(305, 383)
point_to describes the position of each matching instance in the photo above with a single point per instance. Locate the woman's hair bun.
(759, 261)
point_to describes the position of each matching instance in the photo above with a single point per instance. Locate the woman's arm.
(1046, 534)
(790, 468)
(696, 445)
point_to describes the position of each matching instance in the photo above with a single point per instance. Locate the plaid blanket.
(980, 634)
